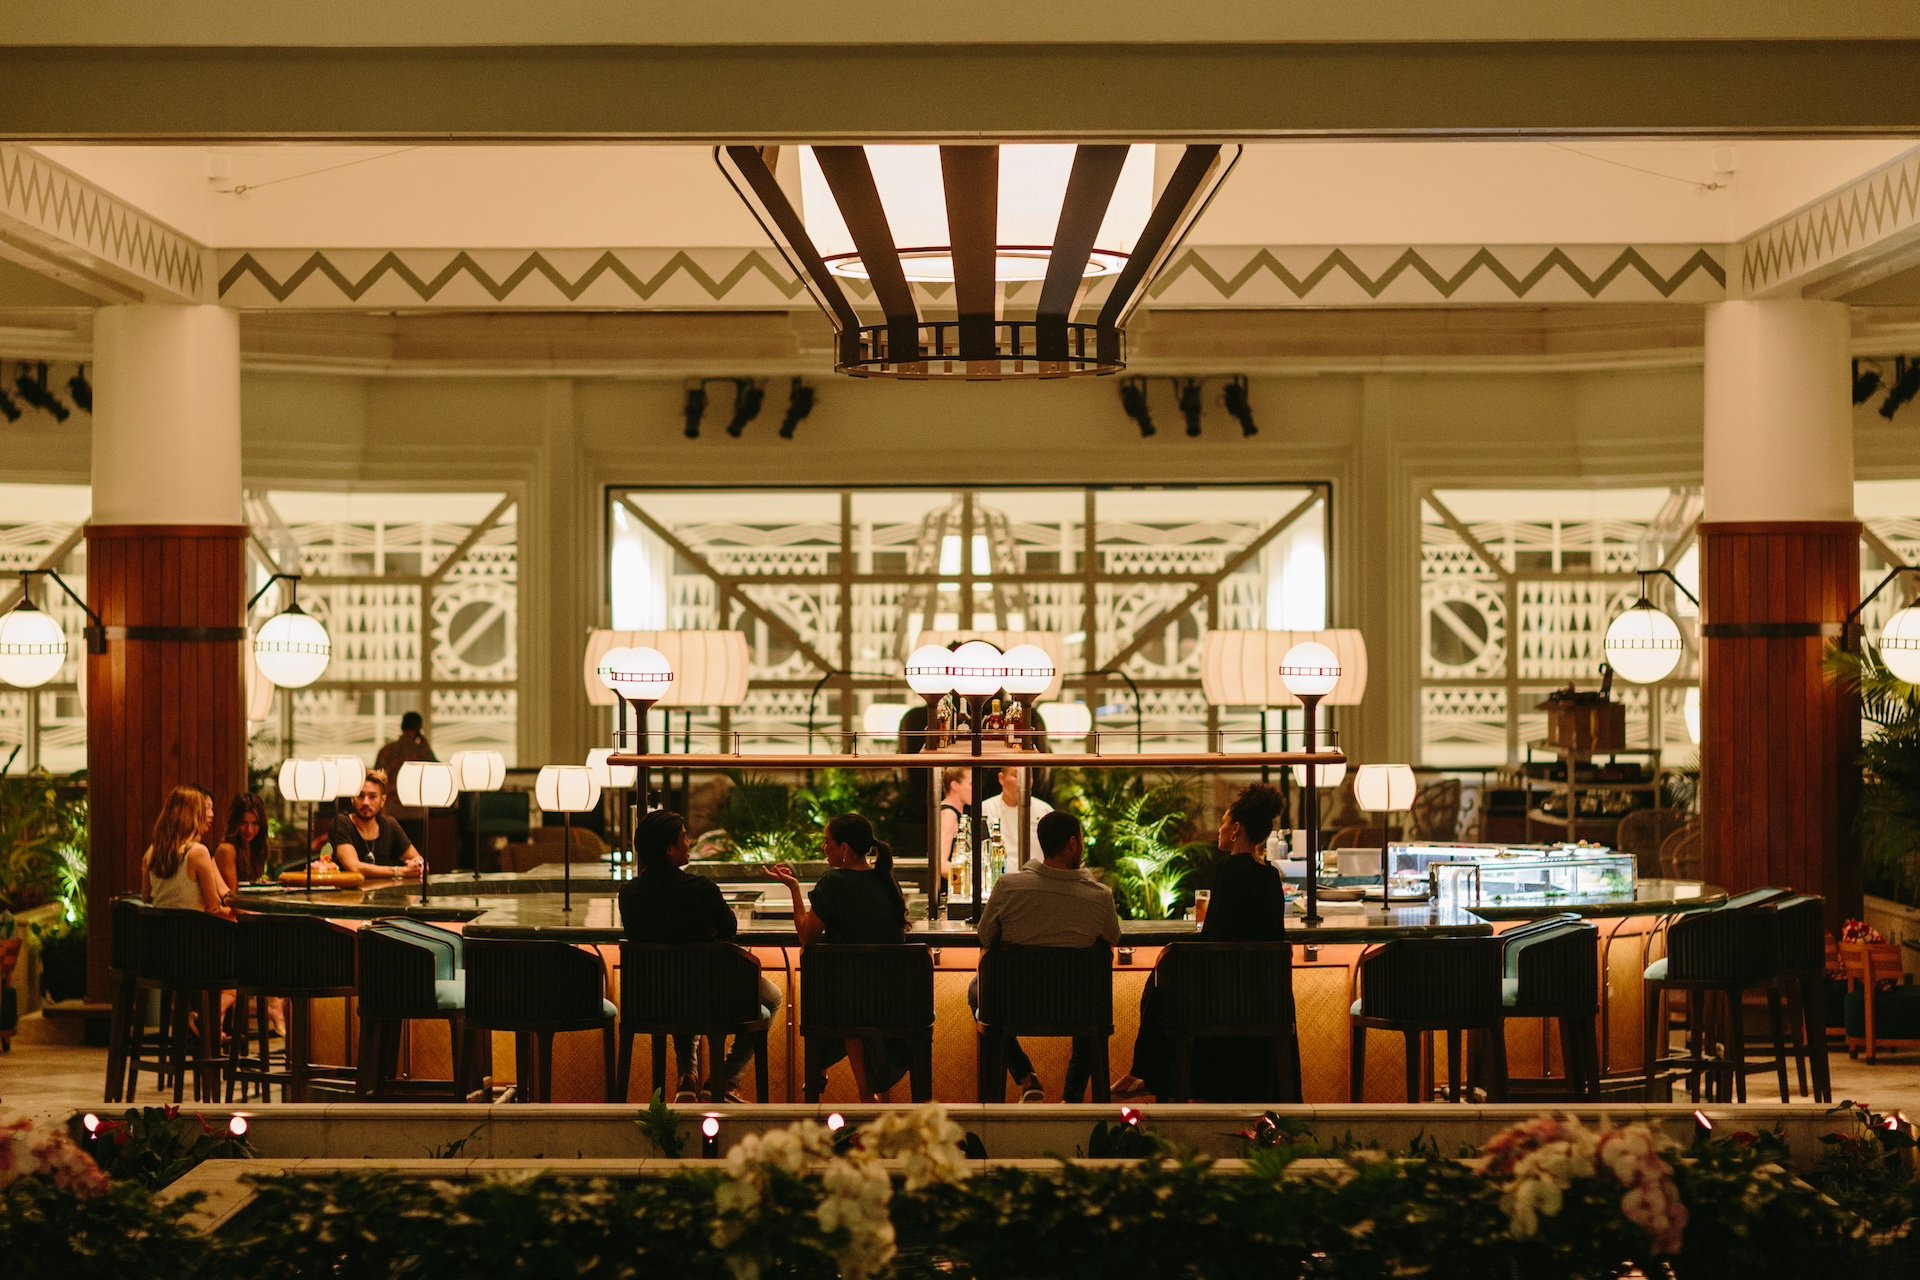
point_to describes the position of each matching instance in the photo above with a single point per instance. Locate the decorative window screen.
(833, 586)
(42, 526)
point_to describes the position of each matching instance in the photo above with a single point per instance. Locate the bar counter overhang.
(1326, 957)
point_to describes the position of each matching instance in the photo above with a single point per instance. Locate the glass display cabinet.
(1467, 874)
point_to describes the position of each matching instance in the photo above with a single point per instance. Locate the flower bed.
(898, 1198)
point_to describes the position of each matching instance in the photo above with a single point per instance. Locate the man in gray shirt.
(1049, 903)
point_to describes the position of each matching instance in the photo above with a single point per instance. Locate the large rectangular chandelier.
(980, 262)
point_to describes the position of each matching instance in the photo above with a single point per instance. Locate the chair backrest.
(124, 948)
(448, 943)
(1436, 811)
(673, 986)
(1556, 963)
(398, 967)
(1445, 981)
(292, 953)
(1226, 984)
(1726, 944)
(1643, 831)
(1870, 963)
(189, 948)
(874, 988)
(1066, 989)
(1683, 853)
(1799, 934)
(533, 982)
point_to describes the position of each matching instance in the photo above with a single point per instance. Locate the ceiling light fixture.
(694, 409)
(1906, 384)
(31, 386)
(799, 405)
(748, 396)
(1090, 225)
(1239, 405)
(1866, 381)
(1186, 394)
(81, 390)
(1133, 401)
(8, 409)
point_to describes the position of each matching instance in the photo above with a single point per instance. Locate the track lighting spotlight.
(31, 385)
(1187, 397)
(81, 390)
(1906, 384)
(799, 405)
(1239, 407)
(8, 409)
(695, 409)
(748, 396)
(1866, 381)
(1133, 401)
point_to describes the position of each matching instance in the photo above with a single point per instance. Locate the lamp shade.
(566, 788)
(479, 770)
(1325, 776)
(610, 777)
(1643, 644)
(637, 673)
(1900, 644)
(1031, 668)
(1242, 668)
(348, 773)
(305, 781)
(33, 648)
(1384, 788)
(426, 784)
(293, 648)
(1310, 670)
(978, 669)
(882, 719)
(259, 690)
(1047, 642)
(710, 668)
(1690, 711)
(928, 672)
(1073, 719)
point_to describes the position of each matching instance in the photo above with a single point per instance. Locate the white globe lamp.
(1310, 670)
(292, 648)
(33, 648)
(979, 669)
(1643, 644)
(1900, 644)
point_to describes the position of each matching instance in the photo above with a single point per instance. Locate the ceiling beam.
(1855, 235)
(57, 223)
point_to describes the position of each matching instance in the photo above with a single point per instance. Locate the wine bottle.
(995, 724)
(1015, 722)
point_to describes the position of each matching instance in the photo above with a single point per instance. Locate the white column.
(1779, 425)
(166, 415)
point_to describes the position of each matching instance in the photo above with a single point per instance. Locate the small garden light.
(710, 1138)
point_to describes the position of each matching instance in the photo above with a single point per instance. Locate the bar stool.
(536, 989)
(868, 992)
(669, 990)
(298, 959)
(1800, 970)
(1044, 992)
(408, 972)
(187, 956)
(123, 972)
(1236, 990)
(1417, 986)
(1551, 969)
(1714, 955)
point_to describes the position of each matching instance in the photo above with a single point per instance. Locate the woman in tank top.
(177, 872)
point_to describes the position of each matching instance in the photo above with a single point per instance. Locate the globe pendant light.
(1900, 644)
(1310, 670)
(292, 648)
(1643, 644)
(637, 674)
(33, 648)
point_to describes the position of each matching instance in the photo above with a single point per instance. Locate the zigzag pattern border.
(1443, 283)
(1854, 216)
(66, 205)
(463, 264)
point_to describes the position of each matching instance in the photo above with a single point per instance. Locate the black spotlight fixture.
(1187, 397)
(1866, 381)
(31, 386)
(8, 409)
(748, 396)
(695, 409)
(1906, 384)
(1133, 400)
(81, 390)
(1239, 407)
(799, 405)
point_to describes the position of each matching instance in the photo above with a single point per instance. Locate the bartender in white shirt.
(1002, 812)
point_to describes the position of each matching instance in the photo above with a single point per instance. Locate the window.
(42, 526)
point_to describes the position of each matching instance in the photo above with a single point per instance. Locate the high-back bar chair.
(1417, 986)
(852, 992)
(670, 990)
(1237, 990)
(1043, 991)
(536, 990)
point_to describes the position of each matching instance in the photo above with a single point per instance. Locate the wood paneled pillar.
(1779, 741)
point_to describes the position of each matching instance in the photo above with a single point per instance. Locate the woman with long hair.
(177, 871)
(857, 901)
(241, 854)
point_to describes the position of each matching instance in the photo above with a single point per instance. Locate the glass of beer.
(1201, 897)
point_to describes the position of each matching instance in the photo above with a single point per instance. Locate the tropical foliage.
(761, 820)
(1139, 834)
(1888, 819)
(43, 844)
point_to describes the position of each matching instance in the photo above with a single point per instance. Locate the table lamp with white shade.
(1310, 671)
(1385, 789)
(615, 779)
(307, 782)
(475, 771)
(426, 784)
(1069, 719)
(347, 773)
(566, 789)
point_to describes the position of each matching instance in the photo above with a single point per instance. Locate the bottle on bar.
(941, 725)
(1015, 722)
(960, 863)
(995, 724)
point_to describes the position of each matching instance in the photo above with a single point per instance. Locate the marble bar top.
(528, 905)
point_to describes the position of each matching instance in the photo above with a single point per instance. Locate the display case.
(1474, 873)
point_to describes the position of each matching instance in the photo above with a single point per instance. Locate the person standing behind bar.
(1003, 812)
(410, 745)
(667, 904)
(957, 794)
(368, 841)
(1249, 905)
(1049, 903)
(858, 903)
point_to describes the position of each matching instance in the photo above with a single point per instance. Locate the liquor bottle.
(995, 725)
(1016, 721)
(941, 725)
(960, 862)
(992, 863)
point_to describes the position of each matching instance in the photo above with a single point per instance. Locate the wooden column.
(1779, 742)
(166, 703)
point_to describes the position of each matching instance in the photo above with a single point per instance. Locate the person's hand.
(411, 869)
(784, 874)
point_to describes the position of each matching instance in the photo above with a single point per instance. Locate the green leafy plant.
(43, 844)
(1888, 818)
(450, 1150)
(154, 1146)
(660, 1124)
(1139, 834)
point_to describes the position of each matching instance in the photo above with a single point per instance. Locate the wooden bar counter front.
(1325, 961)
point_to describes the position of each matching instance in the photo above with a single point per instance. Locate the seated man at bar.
(1248, 905)
(1002, 813)
(1049, 902)
(667, 904)
(368, 841)
(856, 902)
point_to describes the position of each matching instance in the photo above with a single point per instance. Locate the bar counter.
(527, 905)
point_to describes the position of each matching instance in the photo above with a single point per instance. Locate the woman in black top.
(956, 796)
(666, 904)
(1249, 905)
(857, 902)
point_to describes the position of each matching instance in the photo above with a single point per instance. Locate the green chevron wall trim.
(72, 219)
(1876, 208)
(1252, 276)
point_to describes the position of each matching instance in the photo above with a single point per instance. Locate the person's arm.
(411, 863)
(146, 878)
(805, 923)
(949, 831)
(719, 915)
(213, 891)
(227, 860)
(1110, 928)
(988, 930)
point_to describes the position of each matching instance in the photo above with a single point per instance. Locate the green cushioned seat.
(1509, 992)
(1657, 971)
(450, 993)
